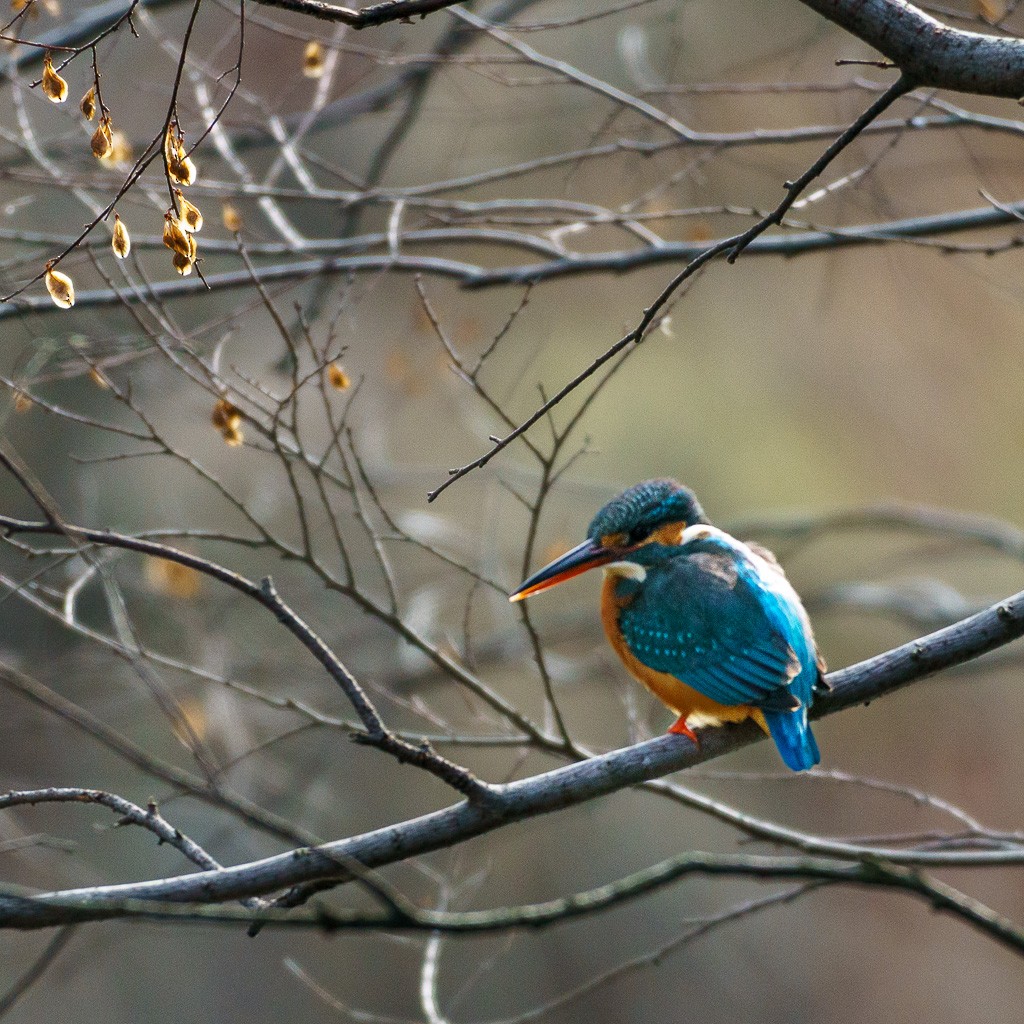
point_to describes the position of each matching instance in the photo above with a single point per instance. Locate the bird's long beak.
(587, 555)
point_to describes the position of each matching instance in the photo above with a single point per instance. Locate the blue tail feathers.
(792, 734)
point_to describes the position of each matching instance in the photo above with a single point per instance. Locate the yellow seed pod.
(54, 87)
(180, 166)
(175, 237)
(190, 218)
(19, 5)
(22, 402)
(182, 170)
(172, 579)
(102, 142)
(338, 378)
(233, 437)
(120, 241)
(313, 59)
(87, 104)
(170, 146)
(60, 287)
(120, 148)
(226, 415)
(182, 264)
(231, 217)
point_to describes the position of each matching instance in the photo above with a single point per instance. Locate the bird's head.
(652, 513)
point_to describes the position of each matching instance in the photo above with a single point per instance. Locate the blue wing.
(702, 617)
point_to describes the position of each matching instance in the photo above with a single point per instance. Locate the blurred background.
(792, 394)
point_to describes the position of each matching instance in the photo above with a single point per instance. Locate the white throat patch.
(629, 570)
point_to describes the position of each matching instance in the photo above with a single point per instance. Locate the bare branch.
(556, 790)
(928, 52)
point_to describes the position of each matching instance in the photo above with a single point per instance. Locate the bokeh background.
(780, 388)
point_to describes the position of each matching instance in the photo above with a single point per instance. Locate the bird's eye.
(638, 534)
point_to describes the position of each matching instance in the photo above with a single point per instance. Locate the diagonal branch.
(541, 794)
(931, 53)
(264, 593)
(730, 247)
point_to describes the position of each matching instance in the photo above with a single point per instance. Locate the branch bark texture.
(928, 52)
(528, 798)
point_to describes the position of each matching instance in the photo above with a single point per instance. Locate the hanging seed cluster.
(227, 418)
(183, 218)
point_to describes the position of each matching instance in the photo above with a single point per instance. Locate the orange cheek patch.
(668, 534)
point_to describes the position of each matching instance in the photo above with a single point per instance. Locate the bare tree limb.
(45, 910)
(542, 794)
(929, 52)
(366, 17)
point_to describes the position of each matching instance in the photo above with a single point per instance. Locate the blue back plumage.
(725, 621)
(791, 730)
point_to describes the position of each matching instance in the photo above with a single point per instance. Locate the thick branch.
(928, 52)
(375, 14)
(541, 794)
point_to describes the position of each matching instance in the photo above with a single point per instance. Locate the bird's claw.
(680, 728)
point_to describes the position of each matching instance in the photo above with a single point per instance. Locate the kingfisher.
(708, 623)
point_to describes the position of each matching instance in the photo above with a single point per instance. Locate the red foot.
(680, 728)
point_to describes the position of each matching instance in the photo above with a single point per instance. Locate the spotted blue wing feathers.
(731, 628)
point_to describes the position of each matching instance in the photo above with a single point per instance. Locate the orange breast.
(673, 693)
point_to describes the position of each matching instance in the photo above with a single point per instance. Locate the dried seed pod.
(60, 287)
(313, 59)
(180, 166)
(120, 148)
(338, 378)
(170, 146)
(182, 264)
(102, 142)
(87, 104)
(190, 218)
(992, 11)
(182, 170)
(233, 437)
(232, 218)
(175, 237)
(226, 415)
(54, 87)
(175, 580)
(120, 241)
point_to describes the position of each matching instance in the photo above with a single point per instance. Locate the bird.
(708, 623)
